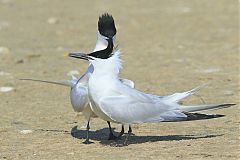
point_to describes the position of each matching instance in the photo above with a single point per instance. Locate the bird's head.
(97, 55)
(107, 59)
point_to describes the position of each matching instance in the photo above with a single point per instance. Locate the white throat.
(102, 42)
(110, 67)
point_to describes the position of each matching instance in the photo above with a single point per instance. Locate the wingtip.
(217, 115)
(226, 105)
(199, 116)
(231, 104)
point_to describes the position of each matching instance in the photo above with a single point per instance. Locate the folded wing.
(124, 109)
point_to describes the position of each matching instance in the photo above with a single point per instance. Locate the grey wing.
(176, 97)
(79, 97)
(127, 110)
(85, 77)
(122, 89)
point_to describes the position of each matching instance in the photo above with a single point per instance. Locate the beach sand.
(167, 47)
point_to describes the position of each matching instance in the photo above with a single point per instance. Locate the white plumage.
(113, 101)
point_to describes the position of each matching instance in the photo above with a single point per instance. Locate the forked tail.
(204, 107)
(195, 116)
(69, 83)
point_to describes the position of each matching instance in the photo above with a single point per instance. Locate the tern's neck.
(108, 68)
(102, 42)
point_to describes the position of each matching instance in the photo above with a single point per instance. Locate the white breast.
(97, 90)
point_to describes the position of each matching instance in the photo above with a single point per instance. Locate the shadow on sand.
(102, 136)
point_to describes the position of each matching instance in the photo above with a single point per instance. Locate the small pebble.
(186, 10)
(70, 153)
(20, 61)
(52, 20)
(182, 60)
(4, 50)
(180, 46)
(228, 93)
(26, 131)
(31, 56)
(60, 48)
(73, 72)
(211, 70)
(6, 89)
(4, 73)
(6, 1)
(3, 25)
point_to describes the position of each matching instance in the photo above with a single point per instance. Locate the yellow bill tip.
(65, 54)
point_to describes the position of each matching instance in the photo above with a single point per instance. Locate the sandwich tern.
(80, 102)
(79, 90)
(115, 102)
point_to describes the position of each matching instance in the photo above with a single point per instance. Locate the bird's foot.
(87, 141)
(132, 134)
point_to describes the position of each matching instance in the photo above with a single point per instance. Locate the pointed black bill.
(80, 56)
(102, 54)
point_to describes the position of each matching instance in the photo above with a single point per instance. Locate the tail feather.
(205, 107)
(69, 83)
(176, 97)
(195, 116)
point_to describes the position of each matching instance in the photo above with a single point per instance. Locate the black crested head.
(105, 53)
(106, 25)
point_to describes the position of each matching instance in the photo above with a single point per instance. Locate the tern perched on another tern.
(79, 87)
(113, 101)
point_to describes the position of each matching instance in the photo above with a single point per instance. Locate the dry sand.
(167, 46)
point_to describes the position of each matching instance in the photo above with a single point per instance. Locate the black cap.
(106, 25)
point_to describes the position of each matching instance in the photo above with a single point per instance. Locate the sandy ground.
(167, 46)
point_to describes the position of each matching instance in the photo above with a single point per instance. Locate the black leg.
(111, 135)
(125, 141)
(130, 130)
(87, 139)
(128, 135)
(121, 133)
